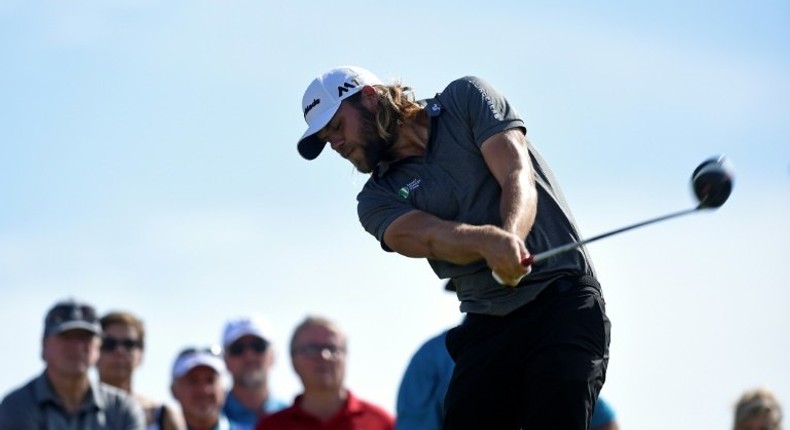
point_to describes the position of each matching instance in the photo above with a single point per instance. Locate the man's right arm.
(421, 235)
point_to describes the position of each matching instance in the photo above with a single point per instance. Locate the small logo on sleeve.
(408, 188)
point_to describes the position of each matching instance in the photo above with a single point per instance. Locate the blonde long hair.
(396, 104)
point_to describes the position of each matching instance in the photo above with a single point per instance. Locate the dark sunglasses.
(110, 343)
(258, 345)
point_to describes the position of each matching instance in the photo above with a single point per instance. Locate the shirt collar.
(45, 394)
(352, 405)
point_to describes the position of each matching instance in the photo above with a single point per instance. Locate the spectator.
(603, 417)
(249, 356)
(63, 396)
(123, 342)
(758, 409)
(420, 401)
(197, 385)
(318, 354)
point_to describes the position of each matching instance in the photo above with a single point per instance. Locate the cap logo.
(310, 107)
(345, 88)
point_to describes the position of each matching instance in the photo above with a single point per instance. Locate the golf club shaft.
(537, 258)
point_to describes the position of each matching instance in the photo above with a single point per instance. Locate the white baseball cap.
(191, 358)
(254, 325)
(322, 99)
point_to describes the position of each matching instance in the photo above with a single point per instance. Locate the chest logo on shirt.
(408, 188)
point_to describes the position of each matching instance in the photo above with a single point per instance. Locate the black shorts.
(539, 367)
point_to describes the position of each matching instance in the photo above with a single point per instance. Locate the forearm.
(507, 158)
(421, 235)
(519, 203)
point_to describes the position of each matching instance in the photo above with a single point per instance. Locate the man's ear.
(370, 98)
(269, 359)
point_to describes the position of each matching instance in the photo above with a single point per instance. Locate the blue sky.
(148, 163)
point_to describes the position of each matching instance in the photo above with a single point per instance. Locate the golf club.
(711, 182)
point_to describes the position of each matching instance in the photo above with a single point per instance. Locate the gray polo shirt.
(36, 406)
(452, 181)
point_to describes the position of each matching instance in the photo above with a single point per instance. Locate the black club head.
(712, 182)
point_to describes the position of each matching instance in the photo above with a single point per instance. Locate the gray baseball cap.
(71, 315)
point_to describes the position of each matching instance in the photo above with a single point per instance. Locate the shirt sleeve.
(19, 410)
(378, 206)
(481, 107)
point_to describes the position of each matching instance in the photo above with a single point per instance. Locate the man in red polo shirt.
(318, 353)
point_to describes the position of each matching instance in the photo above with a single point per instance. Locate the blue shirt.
(225, 424)
(603, 414)
(247, 418)
(423, 387)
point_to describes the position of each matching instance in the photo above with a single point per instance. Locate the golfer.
(453, 179)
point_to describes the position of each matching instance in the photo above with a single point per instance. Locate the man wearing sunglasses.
(123, 342)
(249, 356)
(63, 396)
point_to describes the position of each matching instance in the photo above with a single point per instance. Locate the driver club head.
(712, 182)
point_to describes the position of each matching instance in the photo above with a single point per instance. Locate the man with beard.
(318, 355)
(249, 356)
(455, 180)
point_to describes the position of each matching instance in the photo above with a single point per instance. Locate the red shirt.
(356, 414)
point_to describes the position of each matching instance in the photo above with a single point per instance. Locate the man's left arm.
(507, 156)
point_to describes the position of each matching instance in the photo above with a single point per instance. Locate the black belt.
(567, 283)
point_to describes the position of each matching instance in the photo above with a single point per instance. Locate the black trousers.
(539, 367)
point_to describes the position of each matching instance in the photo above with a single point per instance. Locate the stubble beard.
(251, 379)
